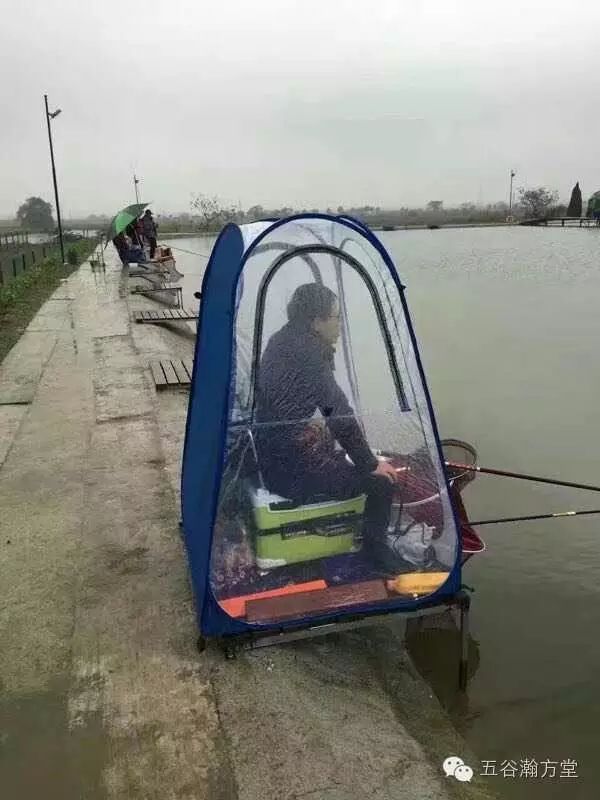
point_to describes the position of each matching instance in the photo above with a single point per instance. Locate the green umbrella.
(124, 218)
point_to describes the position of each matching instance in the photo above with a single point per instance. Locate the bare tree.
(537, 203)
(435, 205)
(255, 212)
(213, 214)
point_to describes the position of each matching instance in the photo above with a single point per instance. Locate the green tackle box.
(288, 533)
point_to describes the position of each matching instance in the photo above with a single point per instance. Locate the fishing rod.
(191, 252)
(534, 516)
(522, 476)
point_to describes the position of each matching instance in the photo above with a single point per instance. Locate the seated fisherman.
(121, 247)
(128, 251)
(297, 454)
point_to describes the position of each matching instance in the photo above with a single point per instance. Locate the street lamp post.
(136, 180)
(50, 115)
(512, 175)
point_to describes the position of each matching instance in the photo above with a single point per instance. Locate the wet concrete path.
(102, 692)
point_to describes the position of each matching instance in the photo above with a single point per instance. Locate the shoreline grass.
(22, 297)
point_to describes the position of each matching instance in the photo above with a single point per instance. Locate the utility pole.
(136, 180)
(512, 175)
(49, 116)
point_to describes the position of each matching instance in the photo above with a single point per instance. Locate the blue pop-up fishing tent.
(261, 561)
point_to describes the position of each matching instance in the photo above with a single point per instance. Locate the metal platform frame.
(176, 290)
(255, 639)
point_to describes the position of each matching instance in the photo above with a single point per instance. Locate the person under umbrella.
(149, 229)
(117, 228)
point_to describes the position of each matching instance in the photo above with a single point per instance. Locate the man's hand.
(385, 469)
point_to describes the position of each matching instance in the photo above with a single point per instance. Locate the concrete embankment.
(103, 694)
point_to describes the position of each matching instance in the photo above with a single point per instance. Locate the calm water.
(508, 325)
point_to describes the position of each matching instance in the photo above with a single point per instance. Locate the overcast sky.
(299, 102)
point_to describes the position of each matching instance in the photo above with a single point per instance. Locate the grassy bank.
(22, 297)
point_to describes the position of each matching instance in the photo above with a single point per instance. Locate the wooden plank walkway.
(172, 373)
(157, 316)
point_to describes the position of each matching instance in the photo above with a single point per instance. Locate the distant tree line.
(210, 213)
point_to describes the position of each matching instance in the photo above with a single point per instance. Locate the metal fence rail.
(15, 261)
(13, 239)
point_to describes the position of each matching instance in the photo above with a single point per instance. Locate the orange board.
(307, 603)
(236, 606)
